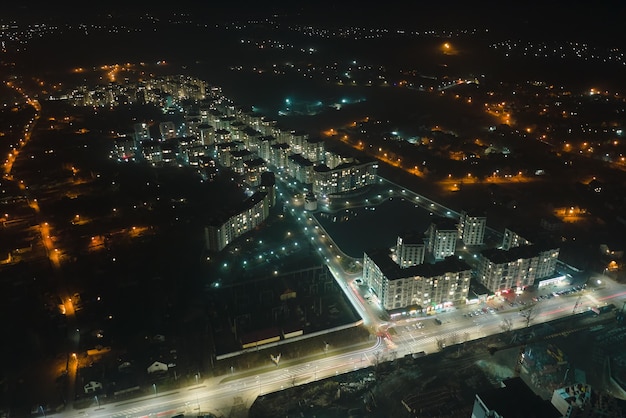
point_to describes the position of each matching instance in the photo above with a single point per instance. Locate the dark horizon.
(600, 20)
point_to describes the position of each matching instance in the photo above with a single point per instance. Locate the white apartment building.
(297, 140)
(300, 168)
(142, 132)
(343, 178)
(167, 130)
(206, 134)
(253, 170)
(410, 249)
(425, 285)
(264, 147)
(471, 229)
(223, 231)
(314, 149)
(279, 154)
(512, 239)
(500, 270)
(441, 238)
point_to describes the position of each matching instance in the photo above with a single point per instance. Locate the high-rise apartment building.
(500, 270)
(224, 230)
(410, 249)
(167, 130)
(512, 239)
(425, 285)
(441, 238)
(471, 229)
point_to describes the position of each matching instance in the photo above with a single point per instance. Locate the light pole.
(197, 400)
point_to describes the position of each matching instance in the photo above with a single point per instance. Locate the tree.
(529, 313)
(441, 343)
(506, 324)
(377, 359)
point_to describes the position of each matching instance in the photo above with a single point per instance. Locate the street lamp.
(197, 399)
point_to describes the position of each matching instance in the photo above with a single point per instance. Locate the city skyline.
(242, 207)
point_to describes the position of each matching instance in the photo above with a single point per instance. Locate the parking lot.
(483, 311)
(575, 289)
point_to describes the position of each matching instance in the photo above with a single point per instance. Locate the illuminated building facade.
(252, 213)
(426, 285)
(167, 130)
(410, 249)
(517, 268)
(512, 239)
(300, 168)
(343, 178)
(124, 149)
(441, 238)
(471, 229)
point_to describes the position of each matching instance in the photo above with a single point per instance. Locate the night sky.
(602, 19)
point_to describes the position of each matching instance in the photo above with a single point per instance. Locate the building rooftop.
(445, 224)
(577, 395)
(240, 153)
(393, 271)
(499, 256)
(255, 162)
(516, 400)
(300, 160)
(412, 237)
(281, 145)
(244, 205)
